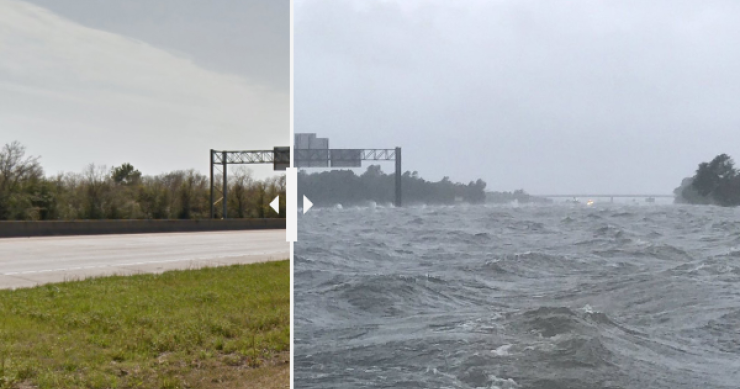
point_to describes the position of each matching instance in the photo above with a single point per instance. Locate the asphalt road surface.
(26, 262)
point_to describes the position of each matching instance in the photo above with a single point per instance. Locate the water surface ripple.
(541, 297)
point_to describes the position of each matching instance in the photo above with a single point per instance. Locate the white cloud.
(76, 95)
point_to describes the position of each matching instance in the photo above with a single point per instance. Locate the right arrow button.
(307, 204)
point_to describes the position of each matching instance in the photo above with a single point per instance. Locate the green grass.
(180, 329)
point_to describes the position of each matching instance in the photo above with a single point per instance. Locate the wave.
(427, 297)
(656, 251)
(535, 264)
(394, 295)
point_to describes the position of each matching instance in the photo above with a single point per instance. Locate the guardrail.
(99, 227)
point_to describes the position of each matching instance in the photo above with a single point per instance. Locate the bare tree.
(241, 187)
(96, 180)
(192, 197)
(15, 169)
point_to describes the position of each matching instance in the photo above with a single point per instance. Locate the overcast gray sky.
(548, 96)
(153, 83)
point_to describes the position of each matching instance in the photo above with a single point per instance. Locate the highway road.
(26, 262)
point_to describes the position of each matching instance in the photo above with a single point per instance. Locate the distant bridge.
(607, 195)
(611, 197)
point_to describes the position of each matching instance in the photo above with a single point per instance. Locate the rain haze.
(551, 97)
(155, 85)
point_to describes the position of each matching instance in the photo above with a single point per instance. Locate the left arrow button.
(275, 204)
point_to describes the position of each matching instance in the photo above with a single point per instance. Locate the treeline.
(346, 188)
(716, 182)
(518, 195)
(123, 192)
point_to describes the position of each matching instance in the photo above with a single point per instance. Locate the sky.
(154, 84)
(554, 97)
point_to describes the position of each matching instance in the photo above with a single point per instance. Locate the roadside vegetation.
(123, 192)
(224, 327)
(518, 195)
(347, 188)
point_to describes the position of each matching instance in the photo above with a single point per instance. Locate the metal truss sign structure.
(304, 158)
(279, 157)
(348, 158)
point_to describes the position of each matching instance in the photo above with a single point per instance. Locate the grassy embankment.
(226, 327)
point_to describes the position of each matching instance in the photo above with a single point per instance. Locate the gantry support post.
(226, 183)
(398, 177)
(213, 207)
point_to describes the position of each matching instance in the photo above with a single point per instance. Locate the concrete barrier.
(96, 227)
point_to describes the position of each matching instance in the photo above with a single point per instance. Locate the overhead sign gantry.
(309, 152)
(279, 157)
(313, 152)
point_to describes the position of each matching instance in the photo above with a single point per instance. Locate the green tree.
(714, 179)
(715, 182)
(122, 192)
(125, 174)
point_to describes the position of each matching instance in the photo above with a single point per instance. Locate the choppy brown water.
(543, 297)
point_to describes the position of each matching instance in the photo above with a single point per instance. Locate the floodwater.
(548, 297)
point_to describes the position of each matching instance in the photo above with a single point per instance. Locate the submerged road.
(27, 262)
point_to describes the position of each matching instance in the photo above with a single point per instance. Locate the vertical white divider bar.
(291, 203)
